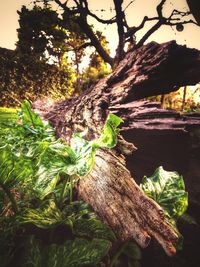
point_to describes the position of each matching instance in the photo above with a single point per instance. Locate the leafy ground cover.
(42, 222)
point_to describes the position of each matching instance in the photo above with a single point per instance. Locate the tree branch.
(133, 30)
(149, 33)
(172, 20)
(94, 40)
(120, 29)
(81, 20)
(160, 8)
(104, 21)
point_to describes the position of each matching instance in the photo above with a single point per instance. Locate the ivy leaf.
(44, 217)
(47, 175)
(85, 150)
(133, 251)
(92, 228)
(77, 253)
(168, 190)
(13, 170)
(85, 154)
(73, 253)
(108, 138)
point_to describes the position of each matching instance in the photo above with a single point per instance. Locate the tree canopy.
(81, 11)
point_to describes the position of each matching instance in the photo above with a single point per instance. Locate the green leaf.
(133, 251)
(47, 216)
(33, 253)
(6, 249)
(92, 228)
(84, 156)
(46, 177)
(168, 190)
(108, 138)
(85, 150)
(29, 117)
(77, 210)
(77, 253)
(8, 116)
(73, 253)
(13, 170)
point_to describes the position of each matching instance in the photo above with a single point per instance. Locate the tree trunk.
(150, 70)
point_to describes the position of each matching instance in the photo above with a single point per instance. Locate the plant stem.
(71, 190)
(11, 197)
(66, 180)
(116, 256)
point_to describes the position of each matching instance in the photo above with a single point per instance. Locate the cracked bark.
(150, 70)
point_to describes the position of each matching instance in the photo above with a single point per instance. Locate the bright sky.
(190, 36)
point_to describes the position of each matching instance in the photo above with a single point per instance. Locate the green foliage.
(128, 255)
(109, 134)
(73, 253)
(40, 33)
(37, 167)
(46, 216)
(29, 118)
(36, 184)
(48, 56)
(25, 77)
(92, 228)
(168, 190)
(32, 152)
(97, 68)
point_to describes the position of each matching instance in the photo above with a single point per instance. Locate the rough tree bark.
(150, 70)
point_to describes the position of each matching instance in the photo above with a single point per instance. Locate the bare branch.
(182, 22)
(120, 29)
(89, 13)
(175, 18)
(160, 20)
(160, 8)
(85, 45)
(149, 33)
(104, 21)
(131, 2)
(81, 20)
(133, 30)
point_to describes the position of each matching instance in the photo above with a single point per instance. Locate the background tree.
(82, 12)
(97, 67)
(126, 33)
(22, 77)
(40, 34)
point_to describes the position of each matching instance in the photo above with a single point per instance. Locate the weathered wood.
(165, 138)
(109, 188)
(150, 70)
(120, 202)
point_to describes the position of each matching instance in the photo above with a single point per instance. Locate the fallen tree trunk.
(165, 138)
(152, 69)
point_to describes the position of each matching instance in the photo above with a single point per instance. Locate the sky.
(139, 8)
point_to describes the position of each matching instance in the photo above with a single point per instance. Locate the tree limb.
(104, 21)
(81, 20)
(149, 33)
(133, 30)
(120, 29)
